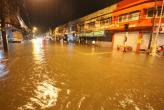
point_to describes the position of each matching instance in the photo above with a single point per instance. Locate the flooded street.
(37, 75)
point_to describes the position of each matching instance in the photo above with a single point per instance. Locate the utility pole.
(154, 46)
(3, 29)
(153, 27)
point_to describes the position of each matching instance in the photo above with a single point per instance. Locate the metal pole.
(3, 30)
(154, 48)
(153, 27)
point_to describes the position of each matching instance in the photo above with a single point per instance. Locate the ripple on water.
(127, 101)
(81, 101)
(45, 96)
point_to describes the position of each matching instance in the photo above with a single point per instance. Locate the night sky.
(51, 13)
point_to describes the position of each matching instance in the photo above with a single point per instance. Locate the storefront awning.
(93, 34)
(99, 33)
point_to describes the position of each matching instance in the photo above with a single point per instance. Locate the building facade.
(135, 19)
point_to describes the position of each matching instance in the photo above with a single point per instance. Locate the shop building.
(135, 19)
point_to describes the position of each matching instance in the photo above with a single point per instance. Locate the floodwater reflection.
(3, 71)
(38, 51)
(45, 96)
(3, 61)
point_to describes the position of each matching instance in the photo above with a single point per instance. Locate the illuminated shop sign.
(92, 34)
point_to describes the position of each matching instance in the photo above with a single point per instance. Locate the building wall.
(145, 40)
(114, 18)
(132, 37)
(160, 40)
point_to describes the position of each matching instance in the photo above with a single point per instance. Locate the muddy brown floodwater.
(37, 75)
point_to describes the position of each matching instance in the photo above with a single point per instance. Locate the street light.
(34, 29)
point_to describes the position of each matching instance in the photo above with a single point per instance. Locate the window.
(106, 21)
(102, 22)
(133, 16)
(81, 26)
(129, 17)
(73, 28)
(159, 12)
(123, 18)
(120, 19)
(91, 24)
(150, 12)
(110, 20)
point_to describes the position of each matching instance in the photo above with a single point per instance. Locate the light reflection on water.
(3, 71)
(3, 61)
(38, 51)
(45, 96)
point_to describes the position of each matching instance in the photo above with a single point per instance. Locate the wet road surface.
(36, 75)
